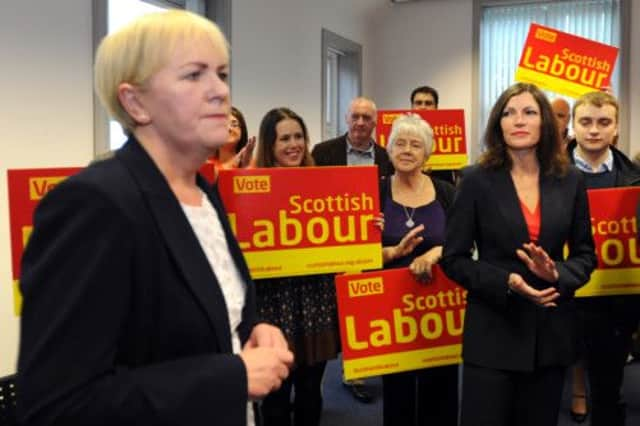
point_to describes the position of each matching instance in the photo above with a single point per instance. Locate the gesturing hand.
(538, 262)
(246, 153)
(405, 246)
(243, 158)
(545, 298)
(409, 241)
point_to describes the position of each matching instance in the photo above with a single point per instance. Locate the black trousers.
(426, 397)
(608, 324)
(506, 398)
(307, 404)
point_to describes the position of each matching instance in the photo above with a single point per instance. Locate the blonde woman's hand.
(266, 369)
(266, 335)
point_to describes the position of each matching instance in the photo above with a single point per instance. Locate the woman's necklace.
(410, 223)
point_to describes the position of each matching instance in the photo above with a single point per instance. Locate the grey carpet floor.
(341, 409)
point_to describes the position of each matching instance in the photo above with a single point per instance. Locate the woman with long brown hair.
(304, 307)
(518, 207)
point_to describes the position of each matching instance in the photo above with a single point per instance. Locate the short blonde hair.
(597, 99)
(414, 125)
(141, 48)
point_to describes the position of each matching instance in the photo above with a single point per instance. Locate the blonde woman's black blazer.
(124, 322)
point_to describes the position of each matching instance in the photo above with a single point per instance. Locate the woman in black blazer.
(518, 207)
(138, 306)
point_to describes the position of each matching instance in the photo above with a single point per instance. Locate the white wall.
(45, 111)
(46, 103)
(277, 57)
(424, 43)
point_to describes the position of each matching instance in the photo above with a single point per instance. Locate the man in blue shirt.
(357, 147)
(608, 322)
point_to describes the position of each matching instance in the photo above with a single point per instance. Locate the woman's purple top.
(432, 215)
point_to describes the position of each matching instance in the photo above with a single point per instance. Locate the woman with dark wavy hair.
(518, 207)
(550, 157)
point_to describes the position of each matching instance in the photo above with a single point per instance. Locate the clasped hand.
(267, 359)
(422, 265)
(541, 265)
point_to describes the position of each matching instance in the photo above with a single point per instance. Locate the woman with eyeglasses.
(236, 153)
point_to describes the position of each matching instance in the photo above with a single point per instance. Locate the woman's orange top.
(533, 220)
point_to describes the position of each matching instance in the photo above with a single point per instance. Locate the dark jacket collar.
(181, 241)
(628, 173)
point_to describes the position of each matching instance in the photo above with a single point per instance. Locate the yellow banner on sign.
(39, 186)
(26, 233)
(313, 260)
(17, 298)
(609, 282)
(447, 162)
(402, 361)
(555, 84)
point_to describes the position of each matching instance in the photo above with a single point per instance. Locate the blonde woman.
(138, 306)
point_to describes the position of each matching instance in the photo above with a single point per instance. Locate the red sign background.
(304, 220)
(366, 305)
(26, 189)
(565, 63)
(614, 228)
(449, 136)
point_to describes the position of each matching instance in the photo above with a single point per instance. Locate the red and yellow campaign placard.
(304, 220)
(565, 63)
(26, 189)
(449, 137)
(614, 228)
(389, 322)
